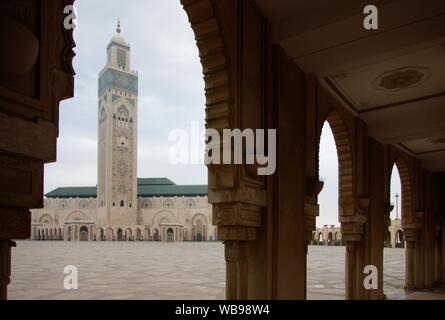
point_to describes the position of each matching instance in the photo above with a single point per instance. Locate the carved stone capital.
(411, 232)
(352, 228)
(313, 187)
(236, 214)
(236, 233)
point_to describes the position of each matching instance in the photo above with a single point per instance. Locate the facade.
(123, 207)
(328, 235)
(331, 235)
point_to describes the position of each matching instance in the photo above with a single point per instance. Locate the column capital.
(236, 233)
(411, 232)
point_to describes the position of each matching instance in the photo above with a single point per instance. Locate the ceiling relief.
(438, 140)
(402, 78)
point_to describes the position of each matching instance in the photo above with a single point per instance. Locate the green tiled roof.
(173, 190)
(147, 187)
(73, 192)
(154, 182)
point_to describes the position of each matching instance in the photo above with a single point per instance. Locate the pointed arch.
(406, 186)
(345, 161)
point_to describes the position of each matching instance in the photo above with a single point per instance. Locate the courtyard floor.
(153, 270)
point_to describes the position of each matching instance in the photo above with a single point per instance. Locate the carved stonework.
(311, 207)
(15, 224)
(235, 191)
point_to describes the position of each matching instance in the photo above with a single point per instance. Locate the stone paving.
(326, 278)
(153, 270)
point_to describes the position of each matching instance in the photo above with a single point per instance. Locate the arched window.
(122, 203)
(168, 203)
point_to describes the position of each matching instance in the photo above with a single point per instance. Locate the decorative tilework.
(131, 101)
(119, 80)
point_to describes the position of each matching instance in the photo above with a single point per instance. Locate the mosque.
(123, 207)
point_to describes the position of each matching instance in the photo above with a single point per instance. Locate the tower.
(117, 137)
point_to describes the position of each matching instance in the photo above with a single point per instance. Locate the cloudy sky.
(171, 96)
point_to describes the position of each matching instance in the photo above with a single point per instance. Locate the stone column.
(76, 233)
(5, 267)
(411, 233)
(353, 234)
(236, 256)
(350, 262)
(232, 257)
(29, 136)
(409, 264)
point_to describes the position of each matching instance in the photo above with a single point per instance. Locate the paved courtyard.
(153, 270)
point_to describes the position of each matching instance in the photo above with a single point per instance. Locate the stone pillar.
(411, 233)
(237, 271)
(5, 267)
(350, 269)
(353, 234)
(76, 233)
(232, 257)
(409, 264)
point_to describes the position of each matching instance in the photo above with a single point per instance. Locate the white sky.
(171, 96)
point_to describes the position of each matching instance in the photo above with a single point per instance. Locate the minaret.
(117, 141)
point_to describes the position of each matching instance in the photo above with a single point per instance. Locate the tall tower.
(117, 142)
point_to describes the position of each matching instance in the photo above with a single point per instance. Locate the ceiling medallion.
(438, 140)
(402, 78)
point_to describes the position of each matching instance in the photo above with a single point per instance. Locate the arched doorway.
(400, 239)
(69, 233)
(170, 235)
(120, 235)
(156, 236)
(199, 228)
(335, 200)
(395, 262)
(330, 239)
(83, 234)
(320, 238)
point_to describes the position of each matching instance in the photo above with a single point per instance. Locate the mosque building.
(123, 207)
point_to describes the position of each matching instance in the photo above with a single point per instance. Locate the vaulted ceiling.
(393, 78)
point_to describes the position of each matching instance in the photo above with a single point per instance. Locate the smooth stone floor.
(326, 278)
(153, 270)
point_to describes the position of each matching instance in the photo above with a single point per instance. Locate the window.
(122, 203)
(121, 58)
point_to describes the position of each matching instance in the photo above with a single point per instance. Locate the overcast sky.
(171, 96)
